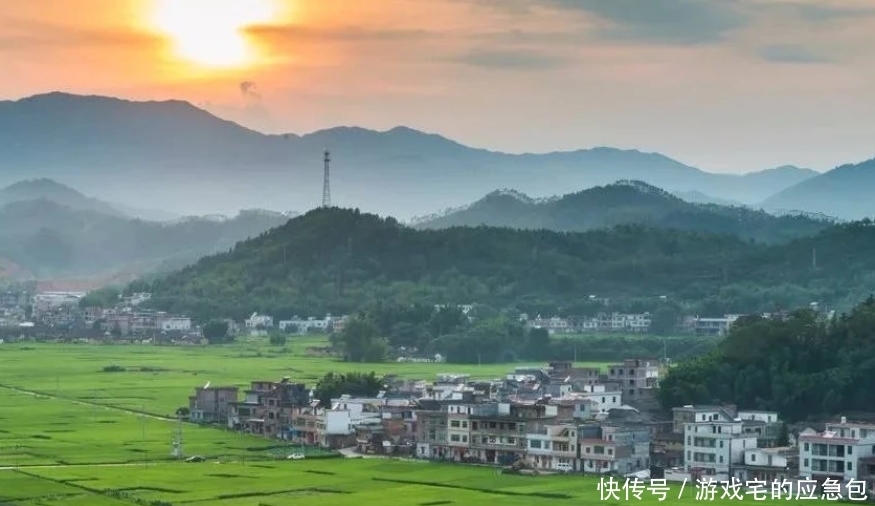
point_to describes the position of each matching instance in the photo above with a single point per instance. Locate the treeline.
(803, 367)
(339, 261)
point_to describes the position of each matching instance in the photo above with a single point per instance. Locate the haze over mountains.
(624, 203)
(174, 156)
(48, 230)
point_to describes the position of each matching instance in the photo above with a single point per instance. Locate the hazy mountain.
(845, 192)
(697, 197)
(33, 189)
(174, 156)
(49, 239)
(624, 203)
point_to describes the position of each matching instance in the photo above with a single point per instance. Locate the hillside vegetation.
(800, 367)
(336, 260)
(623, 203)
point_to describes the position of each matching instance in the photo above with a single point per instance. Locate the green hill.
(335, 260)
(623, 203)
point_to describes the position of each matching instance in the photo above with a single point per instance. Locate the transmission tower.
(176, 452)
(326, 184)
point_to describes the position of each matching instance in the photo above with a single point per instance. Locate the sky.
(725, 85)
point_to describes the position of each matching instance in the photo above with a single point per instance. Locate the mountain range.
(48, 230)
(174, 156)
(624, 203)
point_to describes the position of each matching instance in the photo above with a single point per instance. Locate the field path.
(87, 403)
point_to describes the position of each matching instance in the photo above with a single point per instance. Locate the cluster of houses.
(259, 324)
(629, 323)
(556, 417)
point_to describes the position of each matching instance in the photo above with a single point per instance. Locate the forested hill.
(336, 260)
(624, 203)
(802, 367)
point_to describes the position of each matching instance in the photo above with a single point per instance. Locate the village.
(556, 418)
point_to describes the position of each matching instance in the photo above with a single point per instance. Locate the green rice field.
(73, 434)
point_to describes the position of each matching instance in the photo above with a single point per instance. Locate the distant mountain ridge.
(60, 233)
(168, 151)
(845, 191)
(623, 203)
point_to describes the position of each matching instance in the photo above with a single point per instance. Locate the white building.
(257, 321)
(605, 400)
(311, 324)
(174, 323)
(714, 443)
(836, 453)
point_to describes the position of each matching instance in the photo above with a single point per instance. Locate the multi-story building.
(498, 430)
(431, 431)
(212, 404)
(843, 451)
(713, 446)
(458, 430)
(551, 445)
(606, 448)
(768, 465)
(765, 425)
(605, 399)
(638, 377)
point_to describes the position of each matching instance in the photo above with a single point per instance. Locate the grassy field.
(159, 379)
(72, 434)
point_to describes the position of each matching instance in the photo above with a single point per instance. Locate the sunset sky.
(726, 85)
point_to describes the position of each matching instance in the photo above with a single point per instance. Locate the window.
(721, 459)
(474, 425)
(753, 457)
(455, 438)
(805, 463)
(464, 439)
(850, 450)
(614, 399)
(535, 443)
(689, 440)
(806, 447)
(850, 466)
(455, 423)
(721, 444)
(464, 424)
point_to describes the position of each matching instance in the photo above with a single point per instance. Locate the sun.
(211, 33)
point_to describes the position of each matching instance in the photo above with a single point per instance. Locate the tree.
(361, 342)
(277, 339)
(538, 345)
(664, 321)
(783, 436)
(216, 332)
(334, 385)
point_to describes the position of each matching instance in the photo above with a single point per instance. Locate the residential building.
(167, 323)
(608, 448)
(765, 425)
(551, 445)
(768, 465)
(713, 446)
(302, 326)
(605, 399)
(638, 377)
(212, 404)
(458, 431)
(259, 322)
(710, 326)
(844, 451)
(498, 430)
